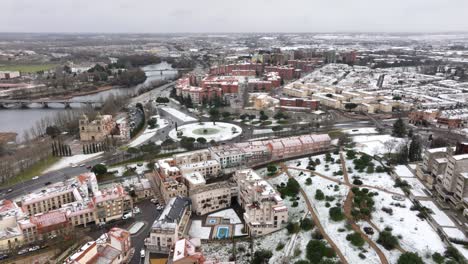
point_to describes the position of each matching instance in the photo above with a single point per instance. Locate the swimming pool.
(222, 232)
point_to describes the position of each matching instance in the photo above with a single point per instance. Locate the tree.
(316, 250)
(307, 224)
(350, 106)
(152, 123)
(214, 115)
(226, 115)
(52, 131)
(355, 239)
(402, 155)
(399, 128)
(261, 256)
(201, 140)
(99, 169)
(414, 152)
(187, 143)
(410, 258)
(387, 240)
(319, 195)
(438, 258)
(336, 214)
(293, 228)
(272, 168)
(389, 145)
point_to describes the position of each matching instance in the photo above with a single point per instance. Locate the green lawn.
(28, 68)
(35, 170)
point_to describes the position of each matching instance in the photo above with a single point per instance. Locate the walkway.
(317, 221)
(348, 206)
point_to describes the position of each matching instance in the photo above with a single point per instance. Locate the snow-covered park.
(219, 131)
(74, 160)
(149, 132)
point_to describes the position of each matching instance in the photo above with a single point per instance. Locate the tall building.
(264, 209)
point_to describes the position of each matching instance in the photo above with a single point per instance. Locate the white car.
(136, 210)
(23, 251)
(127, 216)
(74, 165)
(31, 249)
(142, 253)
(35, 177)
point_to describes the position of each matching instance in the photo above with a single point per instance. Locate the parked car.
(34, 248)
(23, 251)
(136, 210)
(82, 165)
(139, 164)
(127, 216)
(155, 201)
(4, 256)
(89, 167)
(35, 177)
(73, 165)
(47, 183)
(9, 190)
(142, 253)
(159, 207)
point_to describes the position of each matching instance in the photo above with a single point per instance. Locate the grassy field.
(28, 68)
(35, 170)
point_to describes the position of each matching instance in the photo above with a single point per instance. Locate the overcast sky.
(156, 16)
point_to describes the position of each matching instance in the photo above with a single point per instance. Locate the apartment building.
(111, 204)
(212, 197)
(112, 247)
(11, 235)
(45, 226)
(170, 226)
(298, 104)
(452, 184)
(265, 211)
(299, 145)
(50, 198)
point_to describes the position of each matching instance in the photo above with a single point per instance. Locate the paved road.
(148, 215)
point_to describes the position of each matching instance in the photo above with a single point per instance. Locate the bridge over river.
(25, 103)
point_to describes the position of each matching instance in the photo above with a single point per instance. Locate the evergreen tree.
(414, 152)
(402, 156)
(399, 128)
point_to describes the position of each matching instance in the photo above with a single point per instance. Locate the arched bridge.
(24, 103)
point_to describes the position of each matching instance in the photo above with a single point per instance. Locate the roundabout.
(220, 131)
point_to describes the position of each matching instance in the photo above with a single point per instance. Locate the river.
(19, 120)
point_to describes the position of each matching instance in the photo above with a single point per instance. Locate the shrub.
(410, 258)
(357, 182)
(336, 214)
(317, 235)
(302, 262)
(319, 195)
(387, 240)
(291, 188)
(280, 246)
(316, 250)
(99, 169)
(308, 181)
(362, 256)
(341, 230)
(261, 256)
(293, 227)
(307, 224)
(329, 198)
(327, 205)
(355, 239)
(437, 258)
(295, 204)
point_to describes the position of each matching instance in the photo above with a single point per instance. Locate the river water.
(19, 120)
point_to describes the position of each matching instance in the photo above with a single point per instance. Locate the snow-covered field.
(416, 234)
(455, 233)
(323, 168)
(374, 145)
(438, 215)
(382, 179)
(403, 171)
(178, 114)
(72, 160)
(218, 132)
(149, 133)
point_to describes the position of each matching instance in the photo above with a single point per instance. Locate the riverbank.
(83, 93)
